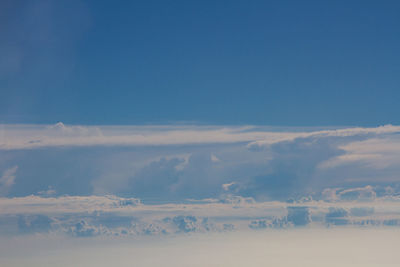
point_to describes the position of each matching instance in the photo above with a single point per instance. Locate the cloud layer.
(174, 163)
(139, 180)
(36, 136)
(115, 216)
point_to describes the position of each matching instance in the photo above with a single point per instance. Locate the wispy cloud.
(7, 179)
(35, 136)
(378, 152)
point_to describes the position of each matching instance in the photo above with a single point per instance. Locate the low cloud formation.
(115, 216)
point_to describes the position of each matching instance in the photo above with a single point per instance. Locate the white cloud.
(377, 153)
(214, 158)
(227, 186)
(351, 158)
(360, 194)
(346, 132)
(36, 136)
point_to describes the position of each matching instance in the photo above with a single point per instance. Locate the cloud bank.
(160, 180)
(173, 163)
(115, 216)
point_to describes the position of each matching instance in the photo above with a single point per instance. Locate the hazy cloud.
(7, 180)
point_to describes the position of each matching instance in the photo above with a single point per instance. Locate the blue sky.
(288, 63)
(144, 124)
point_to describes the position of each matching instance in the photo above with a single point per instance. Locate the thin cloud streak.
(39, 136)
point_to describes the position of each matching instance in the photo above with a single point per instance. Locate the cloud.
(65, 204)
(185, 223)
(349, 159)
(83, 229)
(362, 211)
(337, 216)
(228, 186)
(298, 215)
(374, 153)
(7, 180)
(156, 179)
(361, 194)
(34, 223)
(236, 200)
(115, 216)
(35, 136)
(258, 224)
(214, 158)
(346, 132)
(178, 162)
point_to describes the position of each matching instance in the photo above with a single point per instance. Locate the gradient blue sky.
(129, 128)
(215, 62)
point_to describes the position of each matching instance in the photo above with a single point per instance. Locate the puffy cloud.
(174, 163)
(329, 194)
(299, 216)
(83, 229)
(111, 215)
(236, 200)
(336, 216)
(258, 224)
(292, 170)
(185, 223)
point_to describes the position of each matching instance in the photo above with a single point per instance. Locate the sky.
(174, 128)
(284, 63)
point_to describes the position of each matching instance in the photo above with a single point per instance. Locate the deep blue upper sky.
(214, 62)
